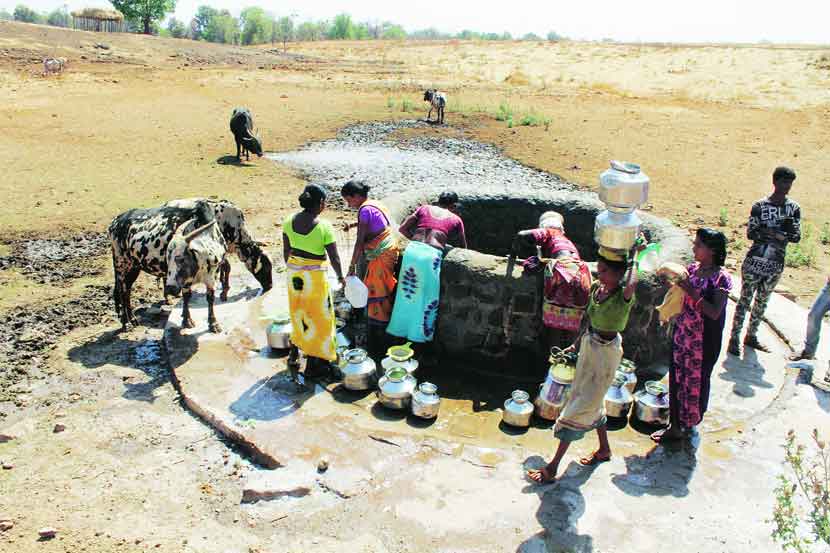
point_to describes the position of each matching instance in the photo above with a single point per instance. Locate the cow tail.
(116, 289)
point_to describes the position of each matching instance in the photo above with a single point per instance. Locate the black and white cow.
(194, 256)
(140, 240)
(242, 127)
(437, 100)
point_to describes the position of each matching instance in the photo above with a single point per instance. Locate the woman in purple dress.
(698, 332)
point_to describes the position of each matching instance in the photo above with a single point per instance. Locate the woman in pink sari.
(698, 332)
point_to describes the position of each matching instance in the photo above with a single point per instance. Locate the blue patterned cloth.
(419, 288)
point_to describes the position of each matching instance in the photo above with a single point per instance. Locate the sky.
(794, 21)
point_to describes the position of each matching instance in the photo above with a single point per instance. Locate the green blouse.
(315, 241)
(612, 314)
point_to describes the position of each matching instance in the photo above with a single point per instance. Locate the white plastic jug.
(356, 292)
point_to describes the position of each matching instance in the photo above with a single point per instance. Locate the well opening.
(493, 317)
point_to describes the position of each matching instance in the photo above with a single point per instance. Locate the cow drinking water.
(194, 256)
(140, 240)
(242, 126)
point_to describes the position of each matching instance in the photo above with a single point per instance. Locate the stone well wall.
(492, 317)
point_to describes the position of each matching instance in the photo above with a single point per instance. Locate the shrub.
(407, 105)
(723, 217)
(824, 237)
(390, 103)
(504, 112)
(811, 475)
(802, 254)
(533, 119)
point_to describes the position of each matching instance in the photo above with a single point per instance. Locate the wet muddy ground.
(57, 260)
(391, 162)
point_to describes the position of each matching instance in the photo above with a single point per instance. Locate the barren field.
(136, 121)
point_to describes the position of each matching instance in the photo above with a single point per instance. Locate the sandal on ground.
(756, 345)
(544, 476)
(802, 356)
(594, 459)
(667, 435)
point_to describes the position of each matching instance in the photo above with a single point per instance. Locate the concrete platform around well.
(461, 479)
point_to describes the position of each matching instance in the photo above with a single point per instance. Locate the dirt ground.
(135, 121)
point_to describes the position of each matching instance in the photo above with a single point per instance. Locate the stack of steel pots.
(623, 188)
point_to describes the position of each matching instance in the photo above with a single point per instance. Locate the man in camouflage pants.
(774, 222)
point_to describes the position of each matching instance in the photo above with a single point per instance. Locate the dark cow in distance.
(195, 256)
(140, 239)
(242, 127)
(437, 101)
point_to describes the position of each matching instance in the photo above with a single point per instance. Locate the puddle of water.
(362, 151)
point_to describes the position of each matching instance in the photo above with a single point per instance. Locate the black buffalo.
(242, 126)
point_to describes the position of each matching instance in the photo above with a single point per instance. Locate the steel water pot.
(517, 409)
(358, 370)
(616, 231)
(278, 333)
(652, 403)
(618, 399)
(395, 388)
(425, 401)
(628, 368)
(623, 185)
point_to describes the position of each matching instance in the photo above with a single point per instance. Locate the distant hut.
(99, 20)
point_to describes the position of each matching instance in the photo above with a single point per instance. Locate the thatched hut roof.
(99, 13)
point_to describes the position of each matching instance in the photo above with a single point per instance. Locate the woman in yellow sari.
(377, 243)
(306, 241)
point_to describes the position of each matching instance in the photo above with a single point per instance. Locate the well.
(495, 318)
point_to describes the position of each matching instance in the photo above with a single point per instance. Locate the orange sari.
(382, 256)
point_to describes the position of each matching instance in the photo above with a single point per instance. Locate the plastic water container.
(356, 292)
(649, 259)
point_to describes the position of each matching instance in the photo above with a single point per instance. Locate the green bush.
(824, 237)
(390, 102)
(802, 254)
(533, 119)
(505, 112)
(723, 217)
(809, 485)
(407, 105)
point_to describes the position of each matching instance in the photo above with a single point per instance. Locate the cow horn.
(193, 234)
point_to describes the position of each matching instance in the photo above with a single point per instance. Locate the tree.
(26, 14)
(256, 25)
(223, 28)
(176, 28)
(58, 18)
(531, 36)
(342, 28)
(201, 20)
(284, 30)
(393, 32)
(467, 34)
(553, 36)
(146, 12)
(5, 16)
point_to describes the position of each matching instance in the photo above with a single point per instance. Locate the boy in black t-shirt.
(774, 222)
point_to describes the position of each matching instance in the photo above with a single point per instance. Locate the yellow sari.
(312, 310)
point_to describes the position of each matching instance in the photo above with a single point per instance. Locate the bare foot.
(734, 349)
(545, 475)
(596, 458)
(215, 327)
(188, 323)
